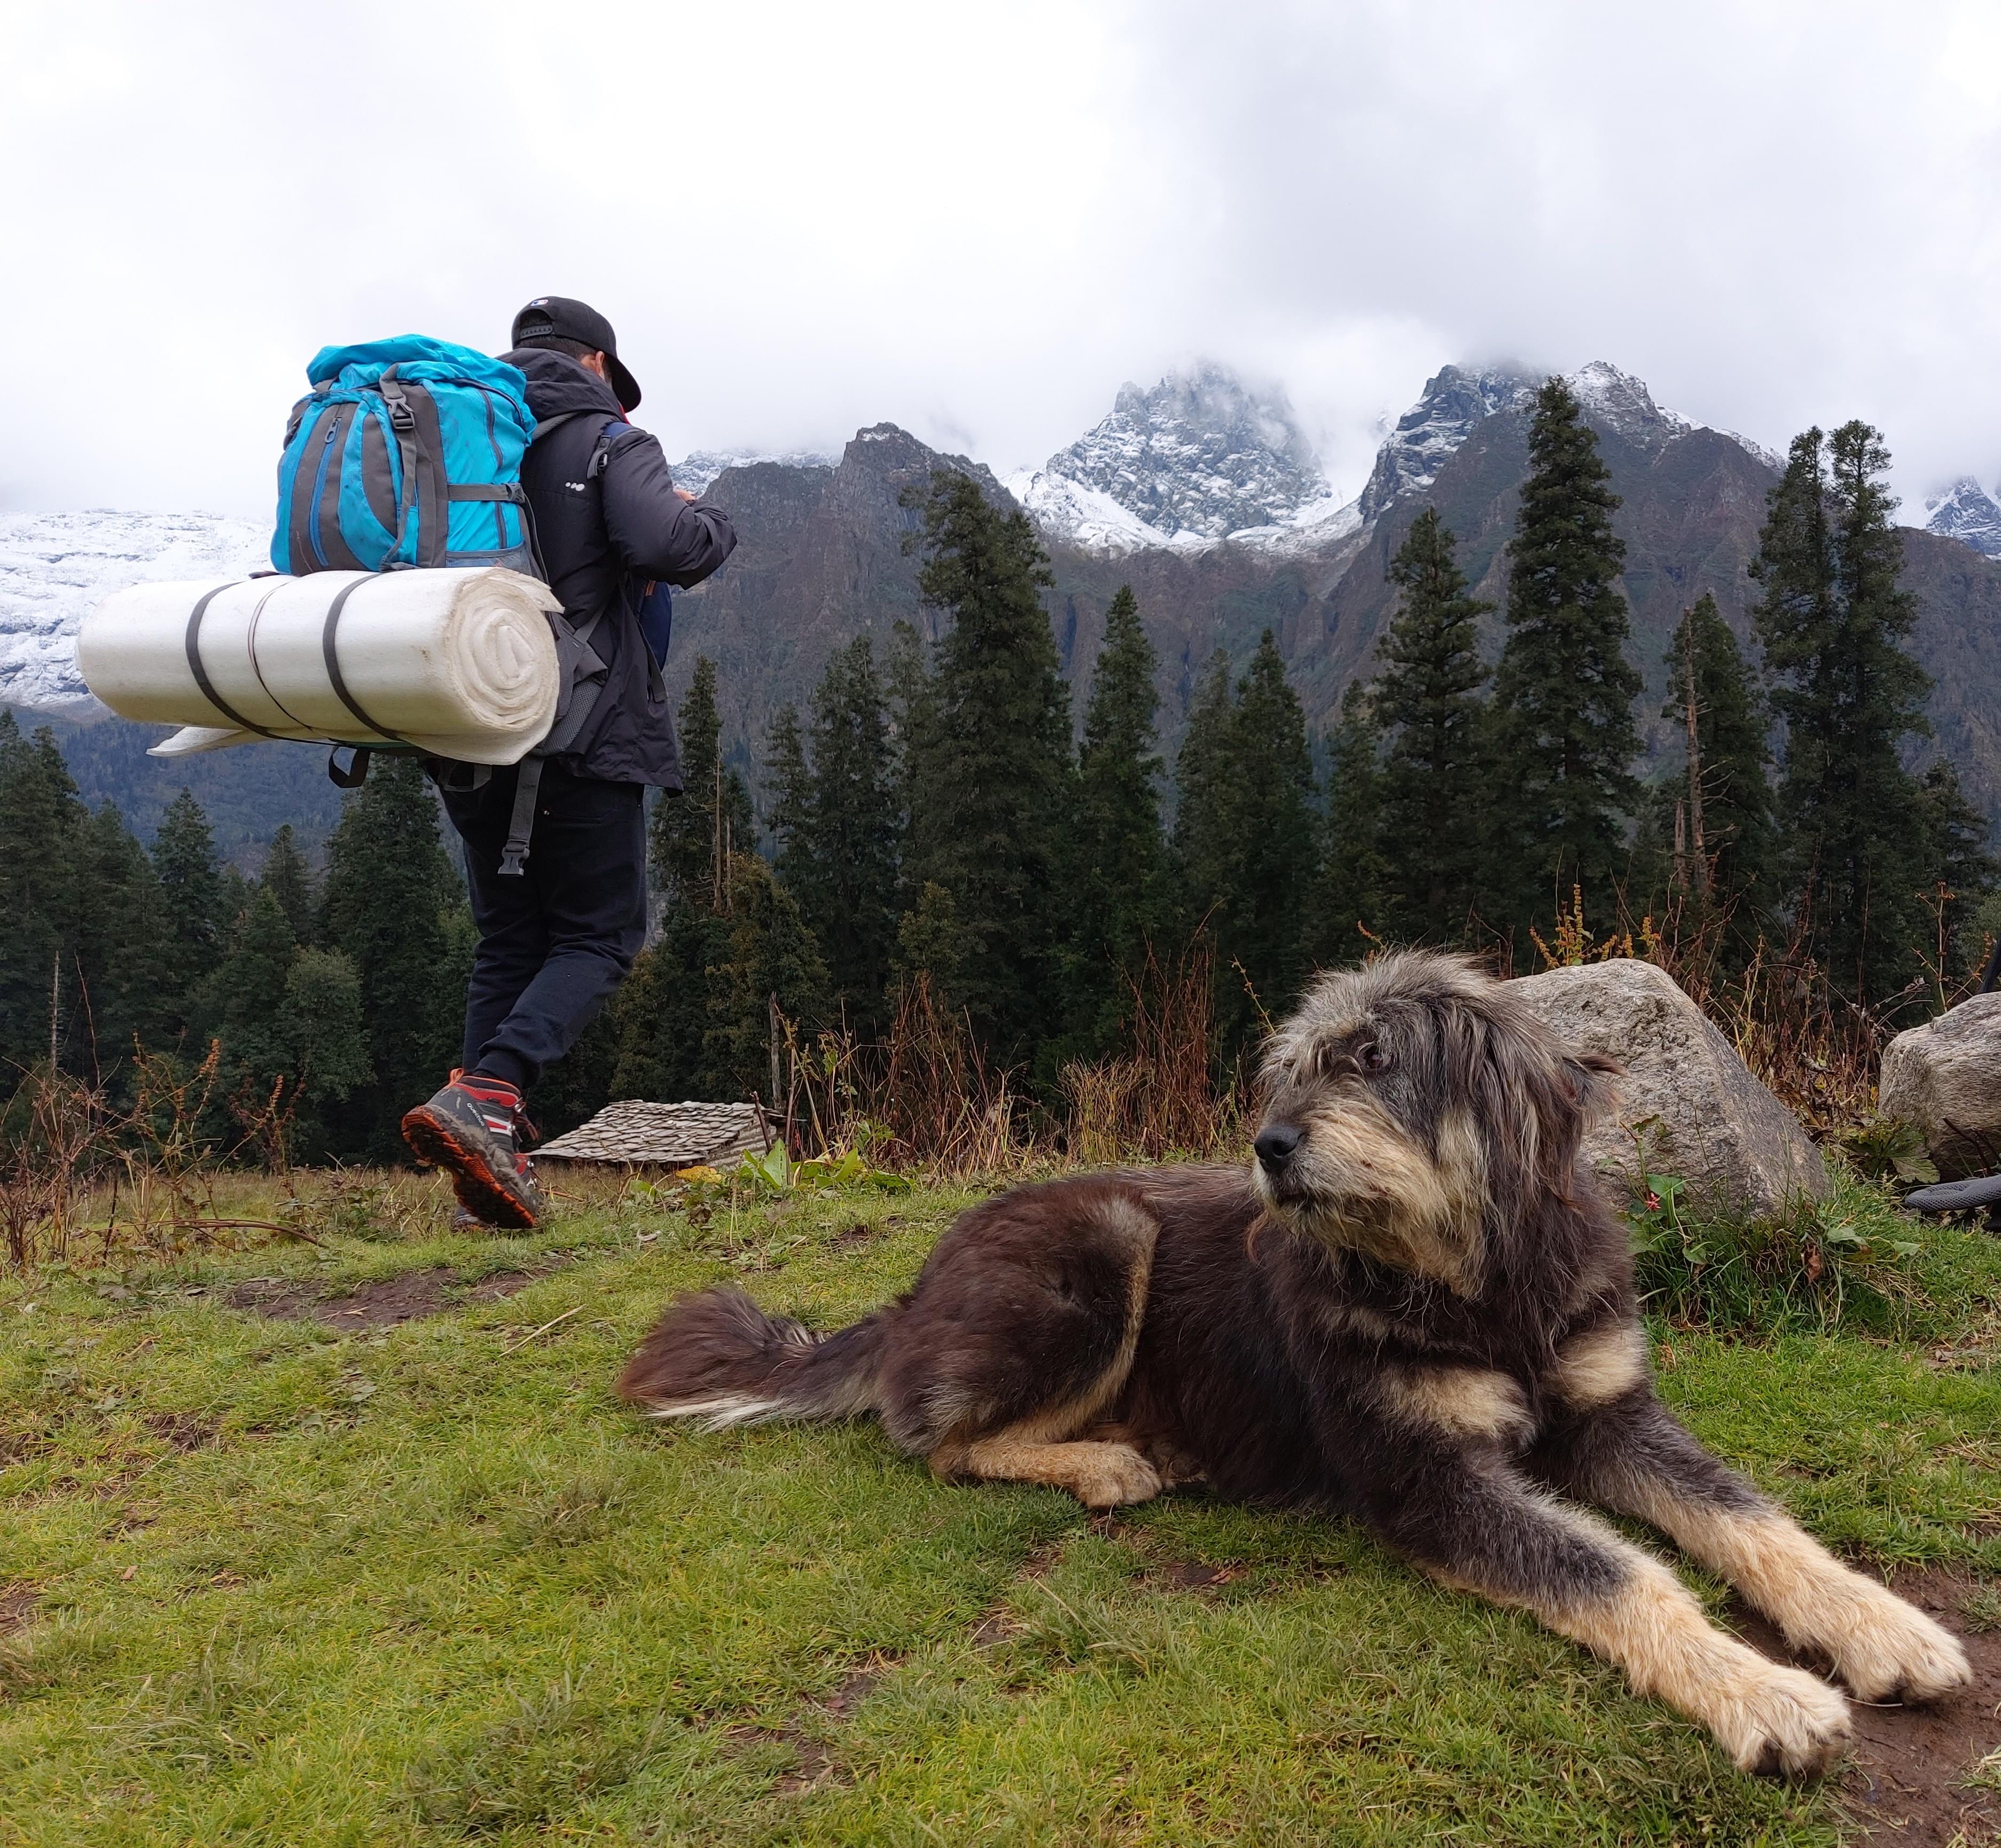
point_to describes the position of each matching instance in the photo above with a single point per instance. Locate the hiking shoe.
(471, 1129)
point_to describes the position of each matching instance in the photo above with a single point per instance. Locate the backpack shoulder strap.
(613, 428)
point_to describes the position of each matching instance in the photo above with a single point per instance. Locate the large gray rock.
(1945, 1076)
(1697, 1110)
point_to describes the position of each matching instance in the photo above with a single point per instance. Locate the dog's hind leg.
(1019, 1338)
(1631, 1456)
(1100, 1475)
(1473, 1524)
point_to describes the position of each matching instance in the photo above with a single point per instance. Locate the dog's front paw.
(1783, 1721)
(1117, 1475)
(1893, 1651)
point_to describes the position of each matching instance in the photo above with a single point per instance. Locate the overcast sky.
(977, 222)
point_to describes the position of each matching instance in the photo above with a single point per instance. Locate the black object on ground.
(1960, 1196)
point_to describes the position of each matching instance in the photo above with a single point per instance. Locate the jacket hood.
(559, 384)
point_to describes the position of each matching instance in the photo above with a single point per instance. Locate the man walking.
(557, 935)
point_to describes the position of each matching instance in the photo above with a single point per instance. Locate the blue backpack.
(405, 452)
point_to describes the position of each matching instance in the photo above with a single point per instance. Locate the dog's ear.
(1594, 1083)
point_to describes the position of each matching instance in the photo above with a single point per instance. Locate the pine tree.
(769, 959)
(787, 797)
(990, 789)
(1245, 842)
(1278, 829)
(289, 880)
(1563, 691)
(694, 833)
(1351, 894)
(80, 956)
(1965, 874)
(41, 821)
(1115, 854)
(661, 1015)
(1437, 791)
(1724, 797)
(389, 889)
(329, 1043)
(196, 901)
(911, 691)
(1859, 855)
(249, 989)
(121, 926)
(290, 1021)
(845, 871)
(1204, 845)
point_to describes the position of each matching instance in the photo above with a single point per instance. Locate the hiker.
(558, 936)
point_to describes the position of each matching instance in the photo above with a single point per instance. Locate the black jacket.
(602, 541)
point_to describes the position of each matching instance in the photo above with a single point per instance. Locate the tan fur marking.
(1099, 1475)
(1463, 1402)
(1765, 1716)
(1352, 1318)
(1882, 1646)
(1384, 1195)
(1599, 1366)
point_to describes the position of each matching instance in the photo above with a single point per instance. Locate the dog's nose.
(1276, 1145)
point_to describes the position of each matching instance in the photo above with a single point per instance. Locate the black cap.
(556, 316)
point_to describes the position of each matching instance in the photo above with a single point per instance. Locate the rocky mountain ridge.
(1967, 513)
(821, 558)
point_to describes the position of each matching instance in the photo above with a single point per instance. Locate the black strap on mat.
(521, 821)
(200, 673)
(332, 655)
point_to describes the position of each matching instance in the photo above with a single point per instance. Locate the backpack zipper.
(332, 414)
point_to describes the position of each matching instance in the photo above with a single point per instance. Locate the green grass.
(294, 1587)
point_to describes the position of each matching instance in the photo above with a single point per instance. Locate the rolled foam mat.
(460, 663)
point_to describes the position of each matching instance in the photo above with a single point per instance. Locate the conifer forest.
(939, 830)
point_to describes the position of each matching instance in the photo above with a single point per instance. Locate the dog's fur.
(1414, 1309)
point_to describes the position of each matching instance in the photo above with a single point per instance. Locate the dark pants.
(556, 940)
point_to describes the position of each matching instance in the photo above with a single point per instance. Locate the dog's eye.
(1371, 1057)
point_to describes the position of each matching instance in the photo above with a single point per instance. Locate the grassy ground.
(262, 1581)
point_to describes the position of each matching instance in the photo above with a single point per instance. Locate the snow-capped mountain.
(699, 467)
(55, 567)
(1199, 458)
(1454, 400)
(1967, 512)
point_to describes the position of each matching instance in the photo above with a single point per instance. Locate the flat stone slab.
(635, 1133)
(1696, 1108)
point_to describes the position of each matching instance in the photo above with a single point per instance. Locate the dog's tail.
(719, 1358)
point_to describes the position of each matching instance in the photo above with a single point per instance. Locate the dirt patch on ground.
(381, 1305)
(1906, 1780)
(17, 1609)
(179, 1429)
(813, 1760)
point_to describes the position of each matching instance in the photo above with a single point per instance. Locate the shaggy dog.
(1412, 1310)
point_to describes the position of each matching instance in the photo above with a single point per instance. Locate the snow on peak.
(1455, 399)
(55, 567)
(1623, 403)
(1196, 459)
(1967, 513)
(700, 467)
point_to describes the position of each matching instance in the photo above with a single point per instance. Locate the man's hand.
(686, 496)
